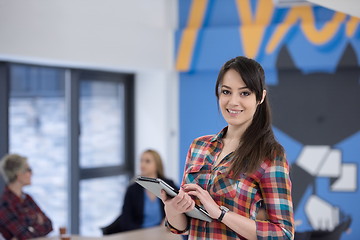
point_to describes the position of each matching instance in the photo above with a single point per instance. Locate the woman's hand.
(177, 205)
(40, 219)
(207, 201)
(262, 215)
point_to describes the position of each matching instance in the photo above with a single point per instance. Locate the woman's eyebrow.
(245, 87)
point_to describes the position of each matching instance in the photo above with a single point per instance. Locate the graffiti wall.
(311, 57)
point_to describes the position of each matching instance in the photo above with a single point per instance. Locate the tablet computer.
(155, 185)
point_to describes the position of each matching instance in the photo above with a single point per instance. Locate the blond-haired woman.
(20, 216)
(141, 208)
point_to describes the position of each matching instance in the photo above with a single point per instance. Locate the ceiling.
(351, 7)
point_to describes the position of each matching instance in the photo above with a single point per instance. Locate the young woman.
(141, 208)
(20, 216)
(238, 172)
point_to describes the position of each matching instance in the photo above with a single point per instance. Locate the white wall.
(134, 36)
(157, 117)
(117, 34)
(351, 7)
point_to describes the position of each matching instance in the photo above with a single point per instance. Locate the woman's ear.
(263, 96)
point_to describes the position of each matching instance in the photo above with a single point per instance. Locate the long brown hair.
(258, 141)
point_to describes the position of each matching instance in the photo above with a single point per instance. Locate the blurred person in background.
(141, 208)
(20, 217)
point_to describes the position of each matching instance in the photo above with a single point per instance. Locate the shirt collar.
(220, 135)
(12, 195)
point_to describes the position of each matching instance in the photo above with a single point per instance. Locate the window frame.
(72, 95)
(77, 173)
(4, 113)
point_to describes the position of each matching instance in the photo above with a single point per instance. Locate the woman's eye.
(246, 93)
(225, 92)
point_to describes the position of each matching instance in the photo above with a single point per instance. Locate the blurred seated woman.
(20, 216)
(141, 208)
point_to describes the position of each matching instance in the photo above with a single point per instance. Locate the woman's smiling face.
(237, 103)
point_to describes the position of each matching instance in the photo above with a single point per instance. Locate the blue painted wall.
(311, 56)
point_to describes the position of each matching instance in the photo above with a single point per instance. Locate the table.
(154, 233)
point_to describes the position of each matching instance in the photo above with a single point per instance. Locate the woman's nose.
(234, 99)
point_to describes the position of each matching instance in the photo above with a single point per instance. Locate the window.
(80, 171)
(37, 129)
(102, 146)
(102, 137)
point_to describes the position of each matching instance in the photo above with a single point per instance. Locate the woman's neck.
(234, 133)
(16, 188)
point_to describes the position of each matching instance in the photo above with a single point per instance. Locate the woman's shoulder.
(169, 181)
(28, 197)
(277, 163)
(271, 167)
(134, 187)
(203, 139)
(211, 137)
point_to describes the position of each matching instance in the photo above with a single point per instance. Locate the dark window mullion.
(88, 173)
(72, 100)
(4, 113)
(129, 124)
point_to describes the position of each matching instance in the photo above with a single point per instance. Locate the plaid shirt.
(269, 187)
(18, 217)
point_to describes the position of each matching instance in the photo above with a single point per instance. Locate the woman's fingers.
(206, 200)
(180, 203)
(192, 206)
(184, 201)
(191, 186)
(194, 190)
(164, 196)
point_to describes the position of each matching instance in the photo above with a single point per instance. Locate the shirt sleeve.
(18, 227)
(44, 228)
(14, 226)
(176, 231)
(275, 186)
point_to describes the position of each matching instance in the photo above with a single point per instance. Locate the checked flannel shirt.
(18, 217)
(269, 187)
